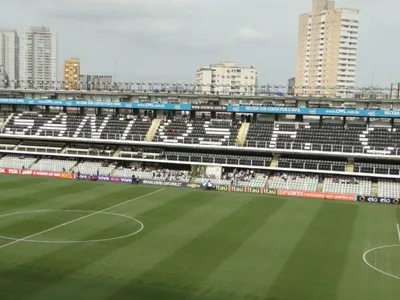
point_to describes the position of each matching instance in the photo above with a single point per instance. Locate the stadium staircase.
(320, 187)
(275, 161)
(350, 165)
(242, 134)
(374, 189)
(117, 153)
(32, 165)
(17, 145)
(64, 150)
(6, 121)
(152, 130)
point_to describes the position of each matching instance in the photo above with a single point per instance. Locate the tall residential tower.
(327, 51)
(9, 57)
(38, 52)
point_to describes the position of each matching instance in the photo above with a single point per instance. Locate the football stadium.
(177, 196)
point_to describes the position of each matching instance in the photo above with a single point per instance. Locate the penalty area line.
(78, 219)
(398, 231)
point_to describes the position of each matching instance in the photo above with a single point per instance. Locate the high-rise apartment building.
(327, 51)
(72, 72)
(225, 78)
(3, 78)
(9, 57)
(38, 51)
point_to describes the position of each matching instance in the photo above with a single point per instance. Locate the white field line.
(78, 219)
(375, 268)
(398, 231)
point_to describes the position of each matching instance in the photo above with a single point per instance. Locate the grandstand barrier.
(317, 195)
(378, 200)
(62, 175)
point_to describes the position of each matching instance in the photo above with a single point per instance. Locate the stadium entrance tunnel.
(67, 226)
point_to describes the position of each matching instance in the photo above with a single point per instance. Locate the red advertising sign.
(63, 175)
(316, 195)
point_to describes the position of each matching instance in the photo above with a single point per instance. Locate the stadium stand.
(8, 144)
(55, 165)
(16, 162)
(154, 174)
(88, 126)
(217, 132)
(259, 134)
(174, 132)
(362, 167)
(94, 168)
(238, 178)
(284, 181)
(348, 185)
(218, 158)
(312, 164)
(389, 188)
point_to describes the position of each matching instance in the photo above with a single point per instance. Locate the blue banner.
(342, 112)
(97, 103)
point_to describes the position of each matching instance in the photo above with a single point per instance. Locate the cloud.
(170, 39)
(247, 34)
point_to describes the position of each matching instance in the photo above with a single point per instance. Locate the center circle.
(384, 256)
(87, 212)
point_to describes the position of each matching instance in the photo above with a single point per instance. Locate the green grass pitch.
(175, 244)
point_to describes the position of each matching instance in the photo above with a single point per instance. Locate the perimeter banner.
(379, 200)
(244, 189)
(64, 175)
(317, 195)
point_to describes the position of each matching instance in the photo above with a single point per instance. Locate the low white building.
(225, 78)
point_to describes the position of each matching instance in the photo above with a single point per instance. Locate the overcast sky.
(167, 40)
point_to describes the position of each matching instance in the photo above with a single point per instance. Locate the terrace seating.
(312, 164)
(16, 162)
(329, 137)
(25, 123)
(381, 140)
(239, 179)
(89, 126)
(123, 128)
(156, 174)
(388, 188)
(146, 153)
(346, 185)
(7, 144)
(94, 168)
(90, 149)
(299, 182)
(259, 134)
(54, 165)
(217, 132)
(219, 158)
(388, 169)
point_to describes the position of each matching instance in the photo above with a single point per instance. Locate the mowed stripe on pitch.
(167, 230)
(56, 264)
(316, 266)
(249, 271)
(181, 274)
(21, 225)
(374, 227)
